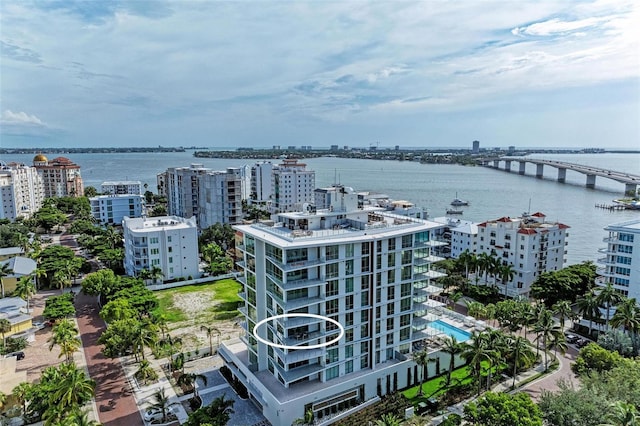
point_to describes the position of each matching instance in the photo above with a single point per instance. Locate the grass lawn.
(433, 387)
(222, 305)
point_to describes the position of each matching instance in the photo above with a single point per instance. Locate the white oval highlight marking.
(276, 345)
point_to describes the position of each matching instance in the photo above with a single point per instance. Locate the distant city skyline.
(423, 74)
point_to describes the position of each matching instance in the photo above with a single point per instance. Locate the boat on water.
(458, 202)
(629, 203)
(454, 211)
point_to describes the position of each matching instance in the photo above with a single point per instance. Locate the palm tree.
(388, 419)
(506, 274)
(25, 289)
(145, 372)
(563, 310)
(608, 296)
(475, 353)
(306, 420)
(467, 259)
(221, 409)
(144, 274)
(65, 335)
(79, 418)
(74, 388)
(112, 237)
(484, 265)
(21, 393)
(155, 273)
(210, 331)
(546, 329)
(589, 306)
(39, 273)
(628, 316)
(144, 336)
(190, 380)
(422, 359)
(451, 347)
(521, 351)
(162, 403)
(5, 271)
(61, 280)
(559, 343)
(5, 327)
(3, 399)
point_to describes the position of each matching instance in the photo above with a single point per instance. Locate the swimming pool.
(451, 330)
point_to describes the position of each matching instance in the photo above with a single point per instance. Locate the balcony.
(605, 261)
(299, 372)
(426, 290)
(431, 274)
(299, 264)
(306, 338)
(291, 305)
(299, 355)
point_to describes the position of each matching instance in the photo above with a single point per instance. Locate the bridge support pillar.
(496, 164)
(630, 189)
(539, 171)
(507, 165)
(562, 175)
(523, 166)
(591, 181)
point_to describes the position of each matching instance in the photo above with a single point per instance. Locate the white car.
(151, 414)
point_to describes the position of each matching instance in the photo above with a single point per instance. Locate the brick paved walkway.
(108, 373)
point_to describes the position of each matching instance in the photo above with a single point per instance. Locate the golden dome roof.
(40, 158)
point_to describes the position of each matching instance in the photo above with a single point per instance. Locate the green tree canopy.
(503, 409)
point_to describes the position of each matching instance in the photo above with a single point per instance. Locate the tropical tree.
(5, 271)
(216, 413)
(21, 394)
(503, 409)
(25, 289)
(5, 327)
(145, 336)
(307, 420)
(422, 359)
(520, 352)
(73, 389)
(60, 280)
(190, 380)
(65, 335)
(210, 330)
(146, 372)
(476, 352)
(155, 273)
(563, 310)
(451, 347)
(506, 274)
(484, 265)
(622, 414)
(546, 329)
(608, 296)
(161, 403)
(589, 307)
(468, 259)
(388, 419)
(627, 316)
(79, 418)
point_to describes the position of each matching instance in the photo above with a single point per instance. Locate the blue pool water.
(451, 330)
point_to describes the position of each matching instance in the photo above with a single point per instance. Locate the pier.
(611, 207)
(630, 181)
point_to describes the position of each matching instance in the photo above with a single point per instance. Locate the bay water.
(491, 193)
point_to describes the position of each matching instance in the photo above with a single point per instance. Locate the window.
(332, 356)
(405, 289)
(349, 302)
(405, 333)
(405, 320)
(391, 276)
(348, 267)
(332, 252)
(407, 241)
(170, 259)
(390, 293)
(332, 270)
(364, 347)
(348, 351)
(348, 283)
(331, 288)
(348, 367)
(364, 298)
(364, 316)
(391, 260)
(364, 362)
(332, 373)
(390, 339)
(392, 244)
(331, 307)
(348, 335)
(364, 265)
(365, 248)
(169, 238)
(406, 273)
(405, 304)
(390, 324)
(390, 309)
(348, 250)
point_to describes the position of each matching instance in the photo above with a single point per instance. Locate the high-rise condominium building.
(261, 182)
(21, 190)
(168, 242)
(365, 268)
(211, 196)
(60, 176)
(530, 244)
(621, 263)
(134, 187)
(293, 185)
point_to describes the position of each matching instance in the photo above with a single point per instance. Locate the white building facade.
(293, 185)
(112, 209)
(366, 269)
(530, 244)
(21, 191)
(168, 242)
(134, 187)
(261, 182)
(621, 261)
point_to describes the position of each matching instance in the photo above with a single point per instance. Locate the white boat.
(454, 211)
(458, 202)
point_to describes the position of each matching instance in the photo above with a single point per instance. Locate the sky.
(427, 74)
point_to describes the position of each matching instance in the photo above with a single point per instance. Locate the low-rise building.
(19, 267)
(112, 209)
(167, 242)
(13, 309)
(134, 187)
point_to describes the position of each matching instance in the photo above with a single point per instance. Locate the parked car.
(19, 355)
(581, 343)
(571, 338)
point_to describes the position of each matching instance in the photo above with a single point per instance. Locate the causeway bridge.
(630, 181)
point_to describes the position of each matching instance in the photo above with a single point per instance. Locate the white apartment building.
(621, 263)
(457, 236)
(168, 242)
(211, 196)
(122, 187)
(365, 268)
(261, 182)
(293, 185)
(529, 243)
(21, 190)
(112, 209)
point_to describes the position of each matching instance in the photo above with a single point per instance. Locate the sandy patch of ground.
(197, 307)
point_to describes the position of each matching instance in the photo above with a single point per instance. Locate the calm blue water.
(450, 330)
(491, 193)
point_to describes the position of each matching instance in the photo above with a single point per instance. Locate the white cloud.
(20, 118)
(557, 26)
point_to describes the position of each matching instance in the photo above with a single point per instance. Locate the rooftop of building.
(122, 182)
(527, 223)
(630, 225)
(111, 196)
(20, 266)
(158, 223)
